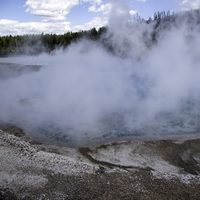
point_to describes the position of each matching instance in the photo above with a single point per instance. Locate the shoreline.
(123, 170)
(28, 136)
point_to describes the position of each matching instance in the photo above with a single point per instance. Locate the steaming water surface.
(127, 85)
(71, 107)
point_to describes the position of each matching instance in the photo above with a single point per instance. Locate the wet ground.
(166, 169)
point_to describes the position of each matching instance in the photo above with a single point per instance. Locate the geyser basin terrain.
(138, 81)
(123, 170)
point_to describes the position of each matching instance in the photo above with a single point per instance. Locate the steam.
(126, 85)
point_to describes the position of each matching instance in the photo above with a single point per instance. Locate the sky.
(18, 17)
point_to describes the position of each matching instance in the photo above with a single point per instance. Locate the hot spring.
(124, 86)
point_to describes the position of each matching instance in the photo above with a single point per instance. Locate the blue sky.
(58, 16)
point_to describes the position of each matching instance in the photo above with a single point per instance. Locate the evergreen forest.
(39, 43)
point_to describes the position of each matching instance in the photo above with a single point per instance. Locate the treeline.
(38, 43)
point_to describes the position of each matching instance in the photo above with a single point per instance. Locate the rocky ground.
(121, 170)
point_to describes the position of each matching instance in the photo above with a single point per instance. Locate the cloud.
(142, 0)
(51, 10)
(190, 4)
(54, 10)
(93, 1)
(92, 8)
(133, 12)
(97, 22)
(103, 8)
(10, 27)
(106, 9)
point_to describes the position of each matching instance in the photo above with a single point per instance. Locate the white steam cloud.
(125, 85)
